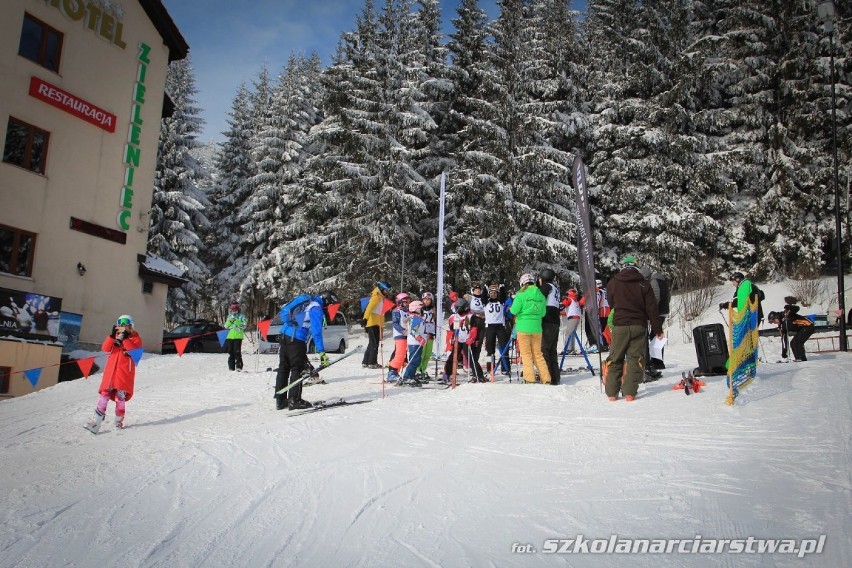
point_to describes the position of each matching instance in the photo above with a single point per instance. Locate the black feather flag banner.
(585, 250)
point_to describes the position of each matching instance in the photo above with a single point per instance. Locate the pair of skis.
(689, 384)
(321, 405)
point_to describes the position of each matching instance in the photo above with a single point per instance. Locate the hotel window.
(16, 251)
(40, 43)
(26, 145)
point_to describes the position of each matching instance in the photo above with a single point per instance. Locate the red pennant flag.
(86, 365)
(388, 305)
(180, 345)
(263, 327)
(332, 311)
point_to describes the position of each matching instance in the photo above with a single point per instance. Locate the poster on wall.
(29, 315)
(69, 330)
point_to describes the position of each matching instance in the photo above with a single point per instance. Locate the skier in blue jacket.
(302, 319)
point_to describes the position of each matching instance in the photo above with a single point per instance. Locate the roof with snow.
(152, 267)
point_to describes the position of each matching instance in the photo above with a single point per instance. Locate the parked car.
(335, 335)
(202, 334)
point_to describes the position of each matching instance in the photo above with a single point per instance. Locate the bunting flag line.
(263, 327)
(136, 354)
(222, 334)
(32, 375)
(332, 311)
(180, 345)
(86, 366)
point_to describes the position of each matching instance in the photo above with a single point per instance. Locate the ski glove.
(323, 361)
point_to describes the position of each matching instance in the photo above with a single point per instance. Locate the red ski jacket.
(120, 370)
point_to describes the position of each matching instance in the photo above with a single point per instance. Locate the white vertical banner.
(439, 290)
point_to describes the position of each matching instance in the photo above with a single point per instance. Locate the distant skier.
(430, 328)
(495, 328)
(119, 372)
(399, 326)
(236, 325)
(374, 319)
(550, 323)
(529, 308)
(790, 322)
(634, 306)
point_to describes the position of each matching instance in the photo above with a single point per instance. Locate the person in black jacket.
(550, 323)
(790, 322)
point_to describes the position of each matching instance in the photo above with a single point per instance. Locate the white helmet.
(526, 278)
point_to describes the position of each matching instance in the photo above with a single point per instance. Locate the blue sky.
(230, 40)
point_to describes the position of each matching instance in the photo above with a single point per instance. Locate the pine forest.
(706, 128)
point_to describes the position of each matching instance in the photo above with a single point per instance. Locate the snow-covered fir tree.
(234, 169)
(481, 233)
(279, 229)
(545, 103)
(179, 203)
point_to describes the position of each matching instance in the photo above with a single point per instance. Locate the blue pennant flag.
(136, 354)
(364, 302)
(33, 375)
(222, 335)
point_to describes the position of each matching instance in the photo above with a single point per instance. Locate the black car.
(202, 334)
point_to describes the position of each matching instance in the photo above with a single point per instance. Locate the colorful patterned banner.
(742, 364)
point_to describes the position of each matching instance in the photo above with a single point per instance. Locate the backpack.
(664, 300)
(290, 313)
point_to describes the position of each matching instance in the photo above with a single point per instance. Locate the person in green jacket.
(528, 308)
(236, 325)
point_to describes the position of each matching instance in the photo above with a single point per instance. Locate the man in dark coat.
(634, 304)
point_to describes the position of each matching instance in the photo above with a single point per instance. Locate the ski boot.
(119, 422)
(300, 404)
(94, 424)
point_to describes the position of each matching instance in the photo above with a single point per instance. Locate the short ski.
(321, 405)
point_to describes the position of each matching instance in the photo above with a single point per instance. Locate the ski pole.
(302, 379)
(410, 359)
(504, 358)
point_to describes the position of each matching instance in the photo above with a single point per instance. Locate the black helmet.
(773, 316)
(737, 277)
(547, 275)
(329, 297)
(462, 305)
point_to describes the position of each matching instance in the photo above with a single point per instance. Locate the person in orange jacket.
(119, 372)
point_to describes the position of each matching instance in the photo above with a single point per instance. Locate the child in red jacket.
(119, 372)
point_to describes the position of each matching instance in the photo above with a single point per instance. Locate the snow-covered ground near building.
(209, 474)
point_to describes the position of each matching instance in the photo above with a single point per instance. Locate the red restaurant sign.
(71, 104)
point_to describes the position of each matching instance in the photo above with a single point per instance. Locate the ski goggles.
(124, 320)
